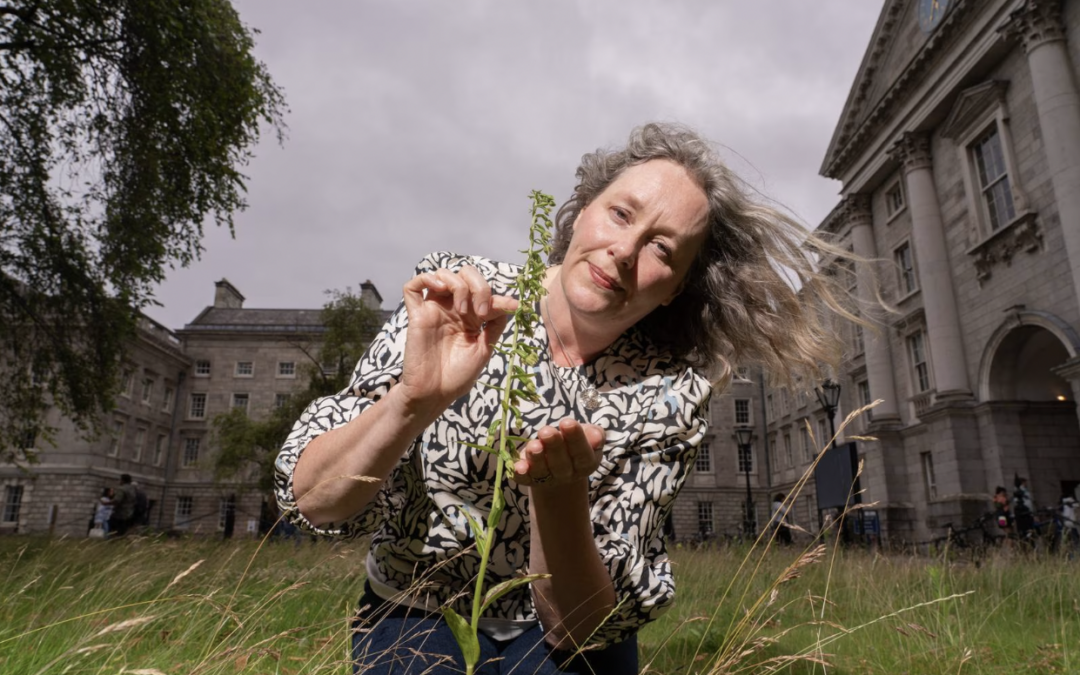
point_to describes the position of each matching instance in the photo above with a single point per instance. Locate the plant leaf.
(501, 589)
(463, 633)
(478, 531)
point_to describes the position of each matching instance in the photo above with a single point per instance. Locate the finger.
(581, 451)
(503, 304)
(535, 452)
(479, 289)
(555, 453)
(457, 287)
(414, 288)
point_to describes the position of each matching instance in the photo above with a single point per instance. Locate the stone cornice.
(854, 209)
(912, 150)
(1035, 23)
(852, 137)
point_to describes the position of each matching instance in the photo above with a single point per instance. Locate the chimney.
(226, 296)
(369, 295)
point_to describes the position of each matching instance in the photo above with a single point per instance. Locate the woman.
(662, 273)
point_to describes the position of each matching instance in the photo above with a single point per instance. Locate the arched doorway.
(1030, 424)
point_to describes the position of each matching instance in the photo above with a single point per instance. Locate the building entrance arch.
(1029, 424)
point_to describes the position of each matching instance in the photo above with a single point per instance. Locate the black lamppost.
(744, 436)
(828, 395)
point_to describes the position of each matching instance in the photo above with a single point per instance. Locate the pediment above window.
(971, 108)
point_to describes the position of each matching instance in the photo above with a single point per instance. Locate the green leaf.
(463, 633)
(478, 531)
(501, 589)
(485, 448)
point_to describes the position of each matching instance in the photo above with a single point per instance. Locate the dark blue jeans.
(391, 639)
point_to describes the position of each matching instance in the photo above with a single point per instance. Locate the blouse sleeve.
(378, 370)
(634, 499)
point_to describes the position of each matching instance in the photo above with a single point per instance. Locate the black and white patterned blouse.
(654, 416)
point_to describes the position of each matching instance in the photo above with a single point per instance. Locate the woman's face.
(633, 245)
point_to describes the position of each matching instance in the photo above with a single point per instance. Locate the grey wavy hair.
(754, 294)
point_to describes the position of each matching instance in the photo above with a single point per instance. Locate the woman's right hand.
(454, 319)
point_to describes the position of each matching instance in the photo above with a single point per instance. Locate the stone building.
(959, 154)
(174, 385)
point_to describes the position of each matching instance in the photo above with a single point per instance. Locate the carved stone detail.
(912, 150)
(1035, 23)
(855, 210)
(1023, 235)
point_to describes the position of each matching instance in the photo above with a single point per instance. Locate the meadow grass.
(150, 607)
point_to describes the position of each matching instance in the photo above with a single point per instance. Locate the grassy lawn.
(153, 607)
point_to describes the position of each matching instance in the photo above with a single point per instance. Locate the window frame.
(913, 364)
(749, 411)
(183, 511)
(706, 513)
(895, 187)
(703, 460)
(291, 374)
(168, 399)
(902, 273)
(926, 461)
(244, 369)
(14, 495)
(241, 396)
(140, 441)
(198, 369)
(189, 457)
(116, 442)
(788, 456)
(161, 447)
(192, 397)
(744, 455)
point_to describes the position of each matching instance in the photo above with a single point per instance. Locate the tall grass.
(151, 607)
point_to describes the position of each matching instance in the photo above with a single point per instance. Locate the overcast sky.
(422, 125)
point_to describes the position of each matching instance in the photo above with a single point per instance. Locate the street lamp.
(828, 395)
(743, 436)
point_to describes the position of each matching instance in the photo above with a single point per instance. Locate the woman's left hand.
(560, 455)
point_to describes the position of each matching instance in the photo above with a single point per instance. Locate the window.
(202, 368)
(240, 401)
(863, 388)
(167, 402)
(705, 517)
(858, 340)
(746, 459)
(128, 385)
(920, 370)
(769, 405)
(905, 263)
(245, 368)
(704, 458)
(226, 509)
(140, 441)
(787, 450)
(191, 453)
(823, 437)
(742, 373)
(800, 398)
(147, 390)
(785, 403)
(772, 453)
(117, 438)
(807, 446)
(13, 496)
(197, 408)
(280, 400)
(159, 448)
(894, 199)
(742, 412)
(286, 369)
(929, 480)
(993, 177)
(184, 507)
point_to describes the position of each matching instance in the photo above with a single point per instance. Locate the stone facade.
(959, 154)
(174, 385)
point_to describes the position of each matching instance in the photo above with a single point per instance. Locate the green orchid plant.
(519, 385)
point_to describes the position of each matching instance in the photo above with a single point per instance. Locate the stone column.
(912, 150)
(879, 369)
(1039, 27)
